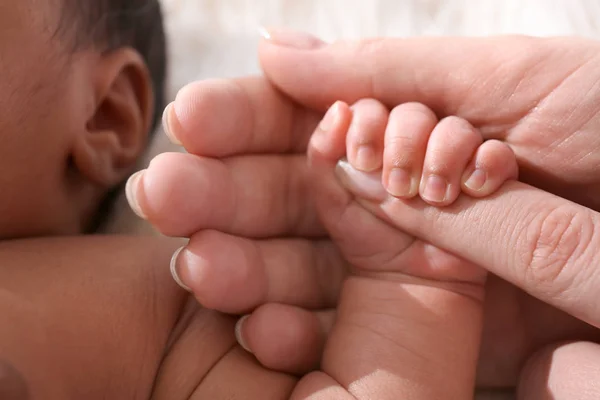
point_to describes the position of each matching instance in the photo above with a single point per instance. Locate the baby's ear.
(117, 126)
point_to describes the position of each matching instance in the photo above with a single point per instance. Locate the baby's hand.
(407, 301)
(419, 154)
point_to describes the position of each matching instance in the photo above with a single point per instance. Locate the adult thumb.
(546, 245)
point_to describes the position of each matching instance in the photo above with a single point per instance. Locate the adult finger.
(542, 243)
(255, 196)
(235, 275)
(286, 338)
(496, 80)
(218, 118)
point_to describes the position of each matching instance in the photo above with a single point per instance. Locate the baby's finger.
(255, 196)
(494, 163)
(286, 338)
(234, 275)
(451, 145)
(406, 138)
(219, 118)
(364, 141)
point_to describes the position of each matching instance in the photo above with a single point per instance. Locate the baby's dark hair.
(112, 24)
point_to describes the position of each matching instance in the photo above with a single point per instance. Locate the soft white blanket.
(217, 38)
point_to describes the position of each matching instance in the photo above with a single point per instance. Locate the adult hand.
(541, 97)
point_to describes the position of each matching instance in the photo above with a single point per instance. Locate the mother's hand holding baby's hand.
(540, 96)
(537, 95)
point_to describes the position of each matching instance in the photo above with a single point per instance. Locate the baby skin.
(395, 277)
(407, 319)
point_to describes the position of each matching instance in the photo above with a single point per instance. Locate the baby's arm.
(100, 318)
(86, 317)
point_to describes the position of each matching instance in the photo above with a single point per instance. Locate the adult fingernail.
(435, 189)
(291, 38)
(239, 333)
(400, 183)
(131, 191)
(476, 180)
(363, 184)
(175, 271)
(167, 126)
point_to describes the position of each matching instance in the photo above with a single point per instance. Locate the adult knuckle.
(556, 243)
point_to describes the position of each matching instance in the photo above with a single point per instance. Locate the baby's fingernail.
(167, 126)
(238, 333)
(174, 270)
(290, 38)
(131, 190)
(363, 184)
(400, 183)
(330, 118)
(366, 158)
(435, 189)
(320, 139)
(476, 180)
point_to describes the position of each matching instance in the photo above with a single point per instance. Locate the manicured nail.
(363, 184)
(400, 183)
(366, 158)
(435, 189)
(175, 272)
(131, 190)
(476, 180)
(167, 126)
(238, 333)
(290, 38)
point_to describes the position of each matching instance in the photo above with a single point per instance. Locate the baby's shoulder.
(105, 305)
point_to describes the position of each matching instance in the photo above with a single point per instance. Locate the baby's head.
(81, 87)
